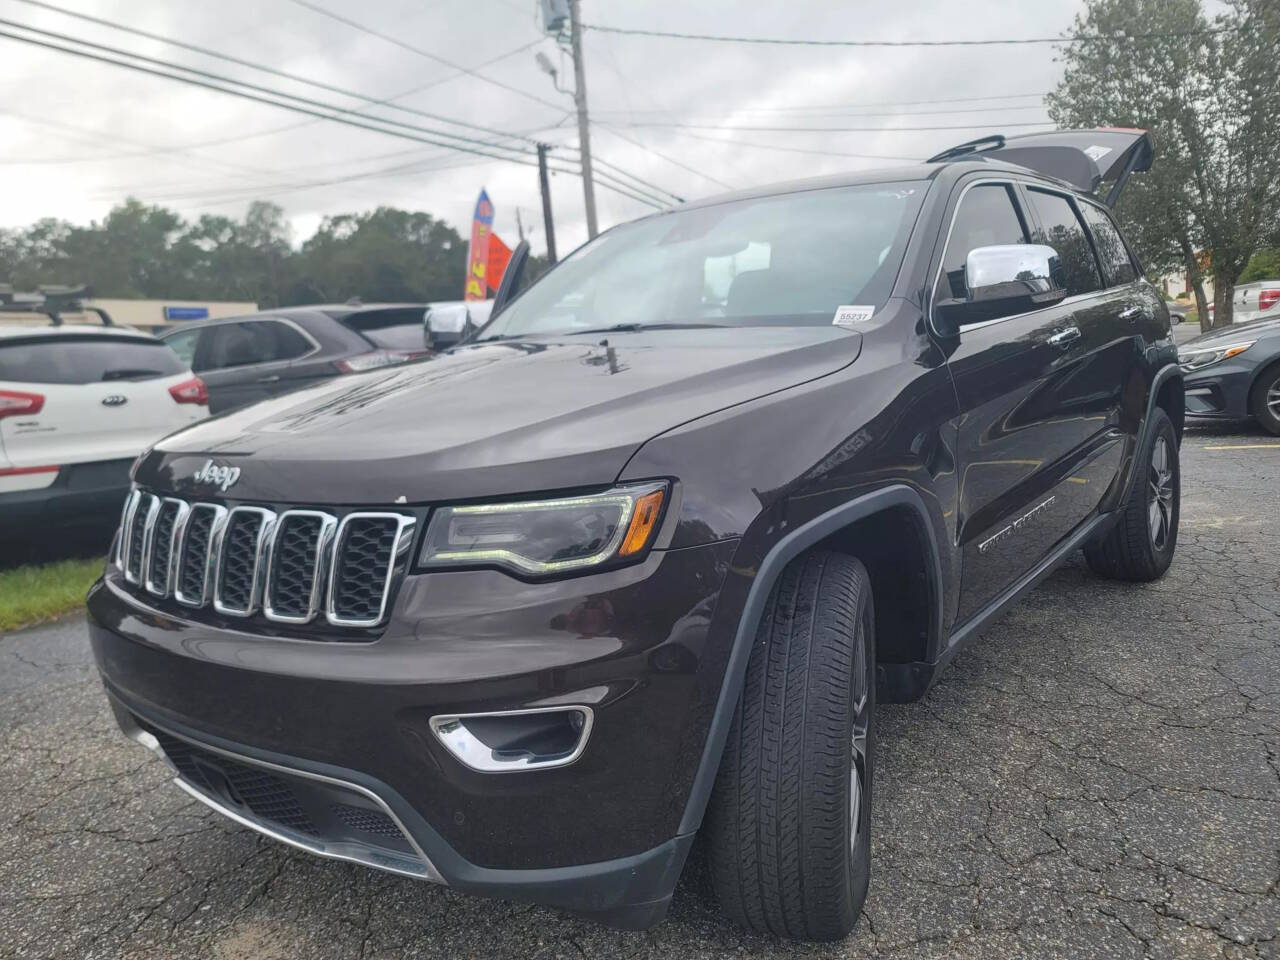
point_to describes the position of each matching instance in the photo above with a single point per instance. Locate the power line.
(316, 8)
(644, 183)
(205, 51)
(517, 156)
(856, 113)
(662, 156)
(770, 146)
(219, 78)
(782, 41)
(841, 106)
(712, 126)
(192, 81)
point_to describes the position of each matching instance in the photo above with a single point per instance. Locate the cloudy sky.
(77, 136)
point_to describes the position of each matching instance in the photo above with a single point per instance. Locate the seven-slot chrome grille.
(290, 567)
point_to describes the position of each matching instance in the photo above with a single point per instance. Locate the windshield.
(781, 260)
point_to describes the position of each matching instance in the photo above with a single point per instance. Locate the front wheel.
(1140, 546)
(789, 821)
(1264, 400)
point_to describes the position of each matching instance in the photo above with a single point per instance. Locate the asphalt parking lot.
(1099, 776)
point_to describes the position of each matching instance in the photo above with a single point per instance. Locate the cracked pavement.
(1097, 776)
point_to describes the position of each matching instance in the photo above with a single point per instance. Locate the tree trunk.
(1196, 275)
(1224, 287)
(1202, 303)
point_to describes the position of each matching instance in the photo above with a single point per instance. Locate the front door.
(1036, 441)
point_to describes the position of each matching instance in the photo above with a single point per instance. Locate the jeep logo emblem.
(115, 400)
(220, 475)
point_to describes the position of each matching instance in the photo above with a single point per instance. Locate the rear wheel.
(1140, 546)
(1264, 400)
(789, 822)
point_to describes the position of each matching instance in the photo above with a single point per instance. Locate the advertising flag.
(478, 250)
(499, 257)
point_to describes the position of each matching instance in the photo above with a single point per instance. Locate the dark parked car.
(638, 561)
(1234, 373)
(246, 359)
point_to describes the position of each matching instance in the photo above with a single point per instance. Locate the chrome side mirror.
(1002, 281)
(1011, 270)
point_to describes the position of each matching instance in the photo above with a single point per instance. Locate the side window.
(290, 344)
(987, 217)
(1061, 229)
(240, 344)
(1116, 263)
(184, 345)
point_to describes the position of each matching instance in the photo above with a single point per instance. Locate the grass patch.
(37, 593)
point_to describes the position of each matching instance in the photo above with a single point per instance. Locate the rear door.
(1031, 442)
(101, 397)
(248, 360)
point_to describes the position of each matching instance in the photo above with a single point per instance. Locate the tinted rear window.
(89, 359)
(399, 329)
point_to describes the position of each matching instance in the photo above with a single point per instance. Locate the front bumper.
(1220, 391)
(600, 835)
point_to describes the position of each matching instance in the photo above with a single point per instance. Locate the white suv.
(77, 405)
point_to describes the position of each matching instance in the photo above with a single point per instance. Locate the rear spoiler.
(1083, 158)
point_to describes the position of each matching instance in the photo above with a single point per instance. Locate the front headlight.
(1195, 359)
(543, 537)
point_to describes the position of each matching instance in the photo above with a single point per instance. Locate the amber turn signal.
(644, 520)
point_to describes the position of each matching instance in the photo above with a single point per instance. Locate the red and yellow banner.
(478, 250)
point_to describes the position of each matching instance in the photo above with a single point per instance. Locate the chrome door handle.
(1131, 314)
(271, 379)
(1065, 337)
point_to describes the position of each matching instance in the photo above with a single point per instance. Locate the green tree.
(145, 251)
(387, 254)
(1209, 91)
(1264, 265)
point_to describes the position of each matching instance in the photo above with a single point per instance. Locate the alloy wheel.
(860, 701)
(1273, 399)
(1160, 503)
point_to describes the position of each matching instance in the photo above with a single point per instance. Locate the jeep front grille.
(290, 567)
(158, 545)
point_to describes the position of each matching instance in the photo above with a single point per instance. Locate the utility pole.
(584, 128)
(547, 225)
(519, 225)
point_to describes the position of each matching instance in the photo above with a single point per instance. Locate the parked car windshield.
(89, 359)
(781, 260)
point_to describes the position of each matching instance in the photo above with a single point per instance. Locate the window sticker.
(852, 316)
(1096, 153)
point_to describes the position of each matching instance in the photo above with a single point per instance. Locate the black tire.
(1140, 547)
(1264, 399)
(783, 854)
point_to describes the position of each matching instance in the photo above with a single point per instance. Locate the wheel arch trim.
(1163, 375)
(1263, 368)
(799, 540)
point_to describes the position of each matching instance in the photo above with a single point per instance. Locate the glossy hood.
(491, 419)
(1233, 334)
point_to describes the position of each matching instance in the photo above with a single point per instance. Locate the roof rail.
(993, 142)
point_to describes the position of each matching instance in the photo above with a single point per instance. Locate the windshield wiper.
(590, 331)
(130, 374)
(637, 327)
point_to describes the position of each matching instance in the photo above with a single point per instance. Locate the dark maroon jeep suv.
(637, 561)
